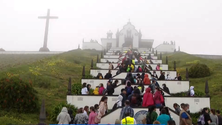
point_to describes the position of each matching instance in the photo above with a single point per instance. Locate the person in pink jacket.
(148, 98)
(92, 116)
(157, 98)
(101, 88)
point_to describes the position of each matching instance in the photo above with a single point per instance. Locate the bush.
(57, 109)
(199, 70)
(76, 88)
(194, 117)
(18, 95)
(184, 94)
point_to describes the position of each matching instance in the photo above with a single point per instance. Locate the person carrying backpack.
(71, 116)
(128, 89)
(152, 115)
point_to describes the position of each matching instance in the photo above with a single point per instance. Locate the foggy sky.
(195, 25)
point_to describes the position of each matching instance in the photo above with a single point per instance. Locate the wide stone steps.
(196, 103)
(106, 66)
(115, 60)
(174, 86)
(122, 75)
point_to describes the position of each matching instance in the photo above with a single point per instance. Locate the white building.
(128, 37)
(166, 47)
(92, 45)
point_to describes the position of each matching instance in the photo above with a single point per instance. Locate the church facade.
(127, 37)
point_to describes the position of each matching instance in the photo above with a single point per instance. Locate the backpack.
(148, 119)
(128, 90)
(134, 99)
(201, 120)
(161, 98)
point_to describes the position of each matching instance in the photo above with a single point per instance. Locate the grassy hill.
(50, 78)
(184, 61)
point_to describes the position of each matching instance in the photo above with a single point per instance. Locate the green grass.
(184, 61)
(14, 60)
(50, 77)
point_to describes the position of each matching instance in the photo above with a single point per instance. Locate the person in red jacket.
(157, 98)
(148, 98)
(146, 80)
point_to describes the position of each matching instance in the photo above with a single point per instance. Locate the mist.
(195, 26)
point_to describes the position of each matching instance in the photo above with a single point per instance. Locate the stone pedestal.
(44, 49)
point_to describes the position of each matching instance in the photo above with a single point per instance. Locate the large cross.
(47, 17)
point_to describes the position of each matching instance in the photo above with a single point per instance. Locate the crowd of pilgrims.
(93, 115)
(130, 97)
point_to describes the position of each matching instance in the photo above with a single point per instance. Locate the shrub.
(18, 95)
(199, 70)
(57, 109)
(91, 91)
(76, 88)
(184, 94)
(194, 117)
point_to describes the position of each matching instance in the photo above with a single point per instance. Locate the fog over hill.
(194, 25)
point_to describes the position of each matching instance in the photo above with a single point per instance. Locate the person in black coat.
(108, 75)
(71, 116)
(110, 89)
(130, 78)
(162, 76)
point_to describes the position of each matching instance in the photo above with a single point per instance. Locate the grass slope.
(50, 78)
(184, 61)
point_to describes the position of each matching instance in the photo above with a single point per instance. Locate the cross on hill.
(47, 17)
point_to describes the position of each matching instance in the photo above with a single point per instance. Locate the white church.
(127, 37)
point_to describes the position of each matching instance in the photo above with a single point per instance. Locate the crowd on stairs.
(151, 97)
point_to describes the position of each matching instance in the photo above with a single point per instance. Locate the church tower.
(109, 35)
(117, 38)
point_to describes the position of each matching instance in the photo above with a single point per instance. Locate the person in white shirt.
(84, 90)
(119, 101)
(86, 110)
(192, 93)
(168, 77)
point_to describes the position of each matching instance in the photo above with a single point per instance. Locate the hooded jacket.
(148, 98)
(156, 97)
(96, 91)
(192, 91)
(63, 116)
(146, 80)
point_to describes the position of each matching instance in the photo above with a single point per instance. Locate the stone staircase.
(196, 103)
